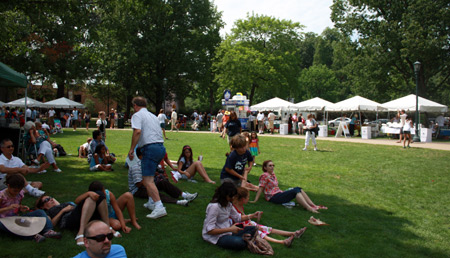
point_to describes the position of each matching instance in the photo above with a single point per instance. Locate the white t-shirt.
(45, 126)
(14, 162)
(310, 123)
(251, 118)
(403, 118)
(407, 126)
(100, 122)
(440, 120)
(51, 113)
(271, 116)
(149, 125)
(260, 117)
(174, 116)
(162, 118)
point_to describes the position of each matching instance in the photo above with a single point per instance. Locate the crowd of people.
(97, 214)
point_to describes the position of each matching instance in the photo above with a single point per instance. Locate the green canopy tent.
(11, 78)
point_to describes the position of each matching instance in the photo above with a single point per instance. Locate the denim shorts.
(152, 154)
(285, 196)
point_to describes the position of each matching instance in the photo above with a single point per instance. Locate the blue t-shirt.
(233, 127)
(236, 162)
(117, 251)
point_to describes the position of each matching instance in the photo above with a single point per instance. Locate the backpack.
(257, 245)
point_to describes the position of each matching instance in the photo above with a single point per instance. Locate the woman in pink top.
(269, 184)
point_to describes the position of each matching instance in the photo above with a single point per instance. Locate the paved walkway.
(392, 142)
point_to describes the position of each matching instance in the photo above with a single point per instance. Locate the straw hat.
(24, 226)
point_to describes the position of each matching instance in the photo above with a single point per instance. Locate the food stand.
(239, 104)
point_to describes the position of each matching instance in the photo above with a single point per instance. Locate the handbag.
(257, 245)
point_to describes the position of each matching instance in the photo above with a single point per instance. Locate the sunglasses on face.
(271, 165)
(46, 200)
(102, 237)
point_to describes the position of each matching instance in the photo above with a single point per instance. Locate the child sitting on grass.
(234, 170)
(100, 161)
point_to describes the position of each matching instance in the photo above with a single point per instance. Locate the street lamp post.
(416, 72)
(164, 93)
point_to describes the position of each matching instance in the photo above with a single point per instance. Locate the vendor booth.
(64, 103)
(239, 104)
(10, 78)
(26, 102)
(357, 104)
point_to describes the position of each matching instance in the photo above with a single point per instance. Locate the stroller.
(57, 128)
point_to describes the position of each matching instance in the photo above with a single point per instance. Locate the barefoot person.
(187, 167)
(242, 198)
(268, 184)
(147, 135)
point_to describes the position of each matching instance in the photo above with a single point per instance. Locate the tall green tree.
(320, 81)
(398, 33)
(47, 39)
(260, 58)
(157, 48)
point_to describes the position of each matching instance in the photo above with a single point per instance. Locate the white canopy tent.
(408, 103)
(2, 103)
(26, 102)
(314, 104)
(356, 103)
(64, 103)
(275, 104)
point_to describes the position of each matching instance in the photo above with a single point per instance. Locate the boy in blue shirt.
(234, 169)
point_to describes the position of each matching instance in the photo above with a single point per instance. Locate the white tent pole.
(26, 94)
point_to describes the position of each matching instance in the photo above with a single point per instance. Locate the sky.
(314, 14)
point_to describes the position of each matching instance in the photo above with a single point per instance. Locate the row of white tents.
(57, 103)
(356, 103)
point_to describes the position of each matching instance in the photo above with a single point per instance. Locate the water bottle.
(200, 158)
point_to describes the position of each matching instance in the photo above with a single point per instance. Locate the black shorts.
(407, 132)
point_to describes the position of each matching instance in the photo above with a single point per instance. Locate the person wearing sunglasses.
(13, 165)
(75, 215)
(97, 240)
(268, 183)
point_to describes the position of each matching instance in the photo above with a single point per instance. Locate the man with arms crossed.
(147, 135)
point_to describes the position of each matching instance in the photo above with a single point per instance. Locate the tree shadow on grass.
(355, 230)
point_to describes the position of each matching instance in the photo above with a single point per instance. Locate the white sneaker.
(190, 197)
(192, 181)
(36, 192)
(183, 202)
(304, 148)
(58, 170)
(150, 206)
(157, 213)
(42, 172)
(315, 148)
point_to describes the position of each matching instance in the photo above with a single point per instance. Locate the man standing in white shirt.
(260, 119)
(28, 114)
(147, 135)
(271, 118)
(51, 116)
(402, 114)
(219, 118)
(173, 120)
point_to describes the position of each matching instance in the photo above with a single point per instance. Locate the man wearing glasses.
(12, 165)
(97, 241)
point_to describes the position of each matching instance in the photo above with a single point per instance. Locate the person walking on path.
(147, 135)
(173, 120)
(260, 119)
(271, 118)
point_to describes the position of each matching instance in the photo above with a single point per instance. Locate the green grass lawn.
(383, 201)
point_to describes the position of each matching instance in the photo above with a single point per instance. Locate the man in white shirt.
(271, 118)
(219, 119)
(147, 135)
(28, 114)
(402, 114)
(51, 116)
(12, 165)
(75, 117)
(173, 120)
(260, 119)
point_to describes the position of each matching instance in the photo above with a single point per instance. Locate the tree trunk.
(252, 93)
(211, 100)
(61, 89)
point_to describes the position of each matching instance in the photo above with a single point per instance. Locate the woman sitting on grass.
(217, 228)
(242, 198)
(100, 160)
(268, 183)
(74, 216)
(187, 167)
(116, 206)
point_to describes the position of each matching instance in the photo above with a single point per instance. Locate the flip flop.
(79, 243)
(317, 222)
(299, 233)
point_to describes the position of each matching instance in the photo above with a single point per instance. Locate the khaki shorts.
(270, 124)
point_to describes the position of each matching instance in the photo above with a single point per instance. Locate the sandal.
(288, 241)
(322, 207)
(79, 243)
(317, 222)
(299, 233)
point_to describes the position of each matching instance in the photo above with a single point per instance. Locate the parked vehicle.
(337, 121)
